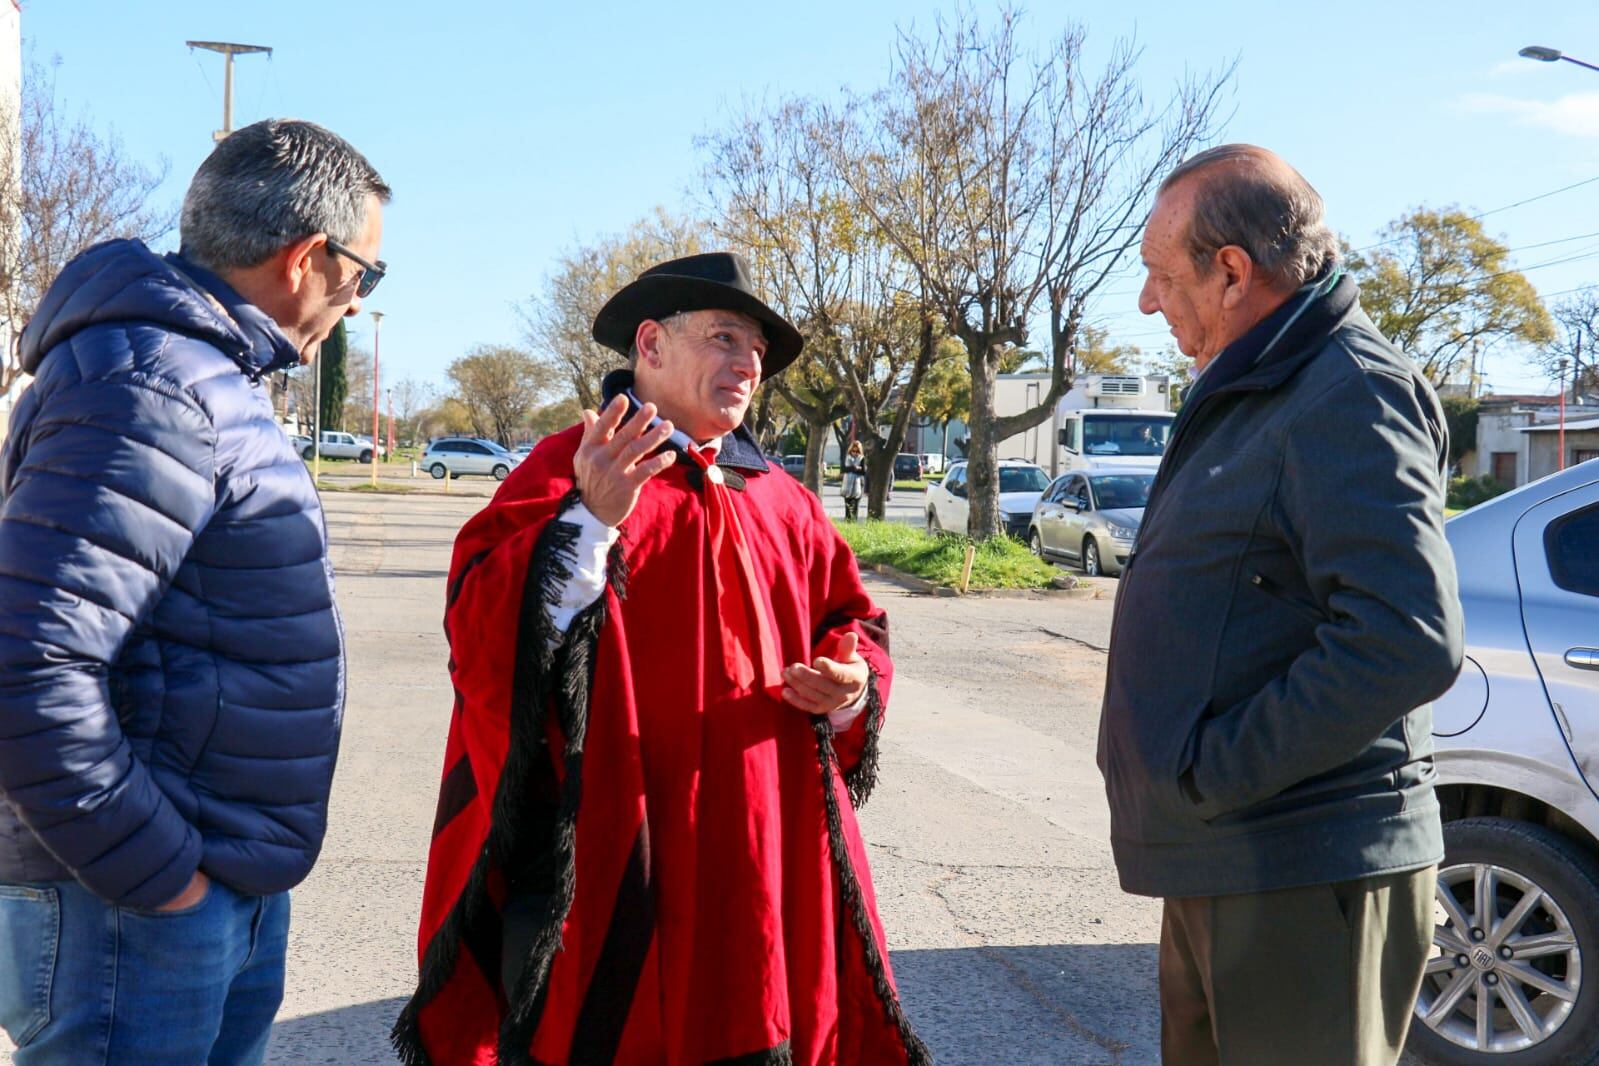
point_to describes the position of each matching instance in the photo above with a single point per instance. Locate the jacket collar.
(268, 349)
(738, 449)
(1281, 344)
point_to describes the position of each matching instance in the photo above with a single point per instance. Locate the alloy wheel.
(1091, 558)
(1508, 968)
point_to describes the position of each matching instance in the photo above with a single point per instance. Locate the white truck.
(1104, 421)
(337, 445)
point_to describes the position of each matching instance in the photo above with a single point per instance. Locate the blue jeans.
(85, 983)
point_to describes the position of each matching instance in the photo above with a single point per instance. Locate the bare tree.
(1576, 342)
(77, 187)
(557, 322)
(1015, 182)
(411, 398)
(824, 262)
(499, 386)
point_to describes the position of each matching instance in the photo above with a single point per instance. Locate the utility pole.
(228, 50)
(377, 333)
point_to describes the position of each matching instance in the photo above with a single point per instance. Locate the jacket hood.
(123, 281)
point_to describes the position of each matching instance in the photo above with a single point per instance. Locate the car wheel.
(305, 453)
(366, 457)
(1091, 565)
(438, 470)
(1517, 909)
(1035, 542)
(501, 471)
(932, 522)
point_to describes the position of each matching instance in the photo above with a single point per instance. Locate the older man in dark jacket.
(1288, 613)
(171, 661)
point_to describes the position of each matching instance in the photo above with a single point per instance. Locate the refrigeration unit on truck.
(1104, 421)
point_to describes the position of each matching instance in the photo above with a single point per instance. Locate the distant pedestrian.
(669, 687)
(854, 480)
(172, 669)
(1288, 613)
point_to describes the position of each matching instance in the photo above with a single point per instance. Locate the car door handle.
(1583, 658)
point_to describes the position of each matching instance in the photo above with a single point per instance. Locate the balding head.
(1250, 197)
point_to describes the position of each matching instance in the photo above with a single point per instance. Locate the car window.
(1022, 479)
(472, 447)
(956, 478)
(1122, 490)
(1056, 491)
(1569, 542)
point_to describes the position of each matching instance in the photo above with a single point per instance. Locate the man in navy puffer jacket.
(171, 659)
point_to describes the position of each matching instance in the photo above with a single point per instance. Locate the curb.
(931, 588)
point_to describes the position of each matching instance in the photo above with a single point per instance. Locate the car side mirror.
(958, 490)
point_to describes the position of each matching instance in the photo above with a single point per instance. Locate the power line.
(1497, 210)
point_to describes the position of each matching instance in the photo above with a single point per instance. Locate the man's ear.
(1239, 272)
(298, 261)
(647, 340)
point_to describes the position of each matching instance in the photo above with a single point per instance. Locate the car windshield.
(1125, 436)
(1122, 491)
(1022, 479)
(495, 448)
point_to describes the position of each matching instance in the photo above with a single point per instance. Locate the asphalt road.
(988, 832)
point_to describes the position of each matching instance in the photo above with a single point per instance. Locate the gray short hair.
(1250, 198)
(270, 184)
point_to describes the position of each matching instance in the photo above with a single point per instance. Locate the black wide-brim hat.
(715, 281)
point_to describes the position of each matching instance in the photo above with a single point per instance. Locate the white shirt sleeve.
(844, 717)
(587, 582)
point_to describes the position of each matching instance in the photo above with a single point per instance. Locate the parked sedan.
(1091, 519)
(1515, 976)
(468, 455)
(1020, 485)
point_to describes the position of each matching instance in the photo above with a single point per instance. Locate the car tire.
(1035, 542)
(366, 457)
(1091, 564)
(501, 472)
(1521, 858)
(305, 453)
(438, 470)
(932, 522)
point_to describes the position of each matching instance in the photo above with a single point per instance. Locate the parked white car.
(468, 455)
(1020, 486)
(338, 445)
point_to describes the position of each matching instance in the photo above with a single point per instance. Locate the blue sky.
(510, 131)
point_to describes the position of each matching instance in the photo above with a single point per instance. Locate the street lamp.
(1560, 462)
(1551, 55)
(377, 333)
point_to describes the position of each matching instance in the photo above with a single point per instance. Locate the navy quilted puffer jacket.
(171, 660)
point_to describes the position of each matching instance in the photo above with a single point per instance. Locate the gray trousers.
(1319, 974)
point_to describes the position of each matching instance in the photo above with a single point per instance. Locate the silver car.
(1090, 518)
(1515, 975)
(468, 455)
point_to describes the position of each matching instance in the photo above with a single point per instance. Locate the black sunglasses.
(371, 273)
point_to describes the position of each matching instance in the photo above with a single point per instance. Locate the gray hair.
(671, 324)
(1249, 197)
(270, 184)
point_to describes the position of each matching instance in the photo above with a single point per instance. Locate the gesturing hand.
(827, 684)
(611, 461)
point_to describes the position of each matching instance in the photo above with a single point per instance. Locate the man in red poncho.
(669, 685)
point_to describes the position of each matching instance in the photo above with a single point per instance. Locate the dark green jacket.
(1288, 615)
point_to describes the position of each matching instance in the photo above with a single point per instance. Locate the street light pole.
(1551, 55)
(391, 422)
(377, 334)
(1560, 461)
(228, 50)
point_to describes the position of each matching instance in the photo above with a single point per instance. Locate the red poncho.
(632, 861)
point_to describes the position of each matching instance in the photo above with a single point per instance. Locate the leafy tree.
(554, 417)
(498, 385)
(330, 363)
(63, 187)
(1444, 292)
(1096, 355)
(1460, 415)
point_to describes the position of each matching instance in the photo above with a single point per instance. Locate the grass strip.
(1001, 563)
